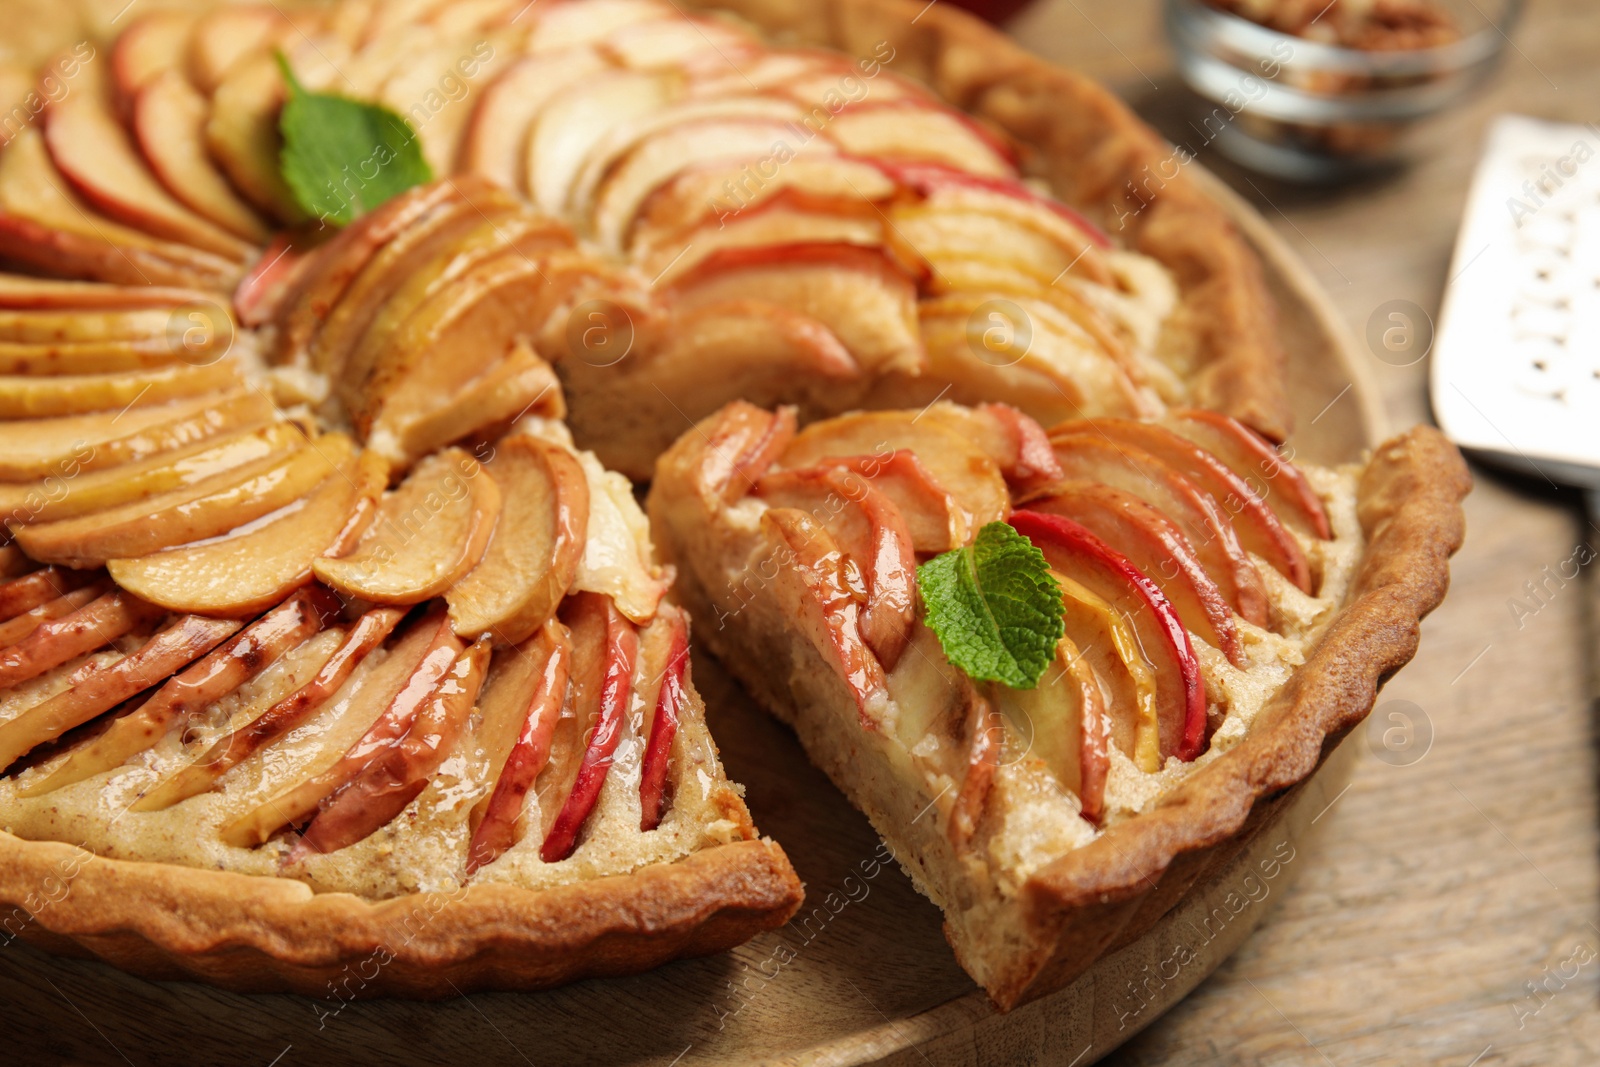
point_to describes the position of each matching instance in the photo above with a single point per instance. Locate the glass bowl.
(1305, 110)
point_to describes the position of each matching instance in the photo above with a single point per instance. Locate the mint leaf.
(342, 158)
(994, 607)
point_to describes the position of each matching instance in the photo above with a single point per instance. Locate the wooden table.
(1446, 886)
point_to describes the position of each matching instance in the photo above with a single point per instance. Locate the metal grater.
(1516, 366)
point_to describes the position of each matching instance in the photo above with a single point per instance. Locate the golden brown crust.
(1410, 508)
(274, 934)
(1097, 156)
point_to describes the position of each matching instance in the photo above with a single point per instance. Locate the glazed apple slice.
(46, 326)
(234, 748)
(667, 647)
(169, 120)
(226, 35)
(1156, 548)
(92, 357)
(94, 153)
(1253, 459)
(428, 534)
(496, 145)
(14, 562)
(920, 131)
(225, 669)
(813, 586)
(162, 655)
(522, 702)
(537, 546)
(683, 43)
(858, 293)
(959, 188)
(151, 45)
(1064, 722)
(249, 571)
(1017, 444)
(203, 510)
(1179, 690)
(604, 647)
(303, 800)
(29, 397)
(777, 222)
(1090, 457)
(28, 591)
(21, 292)
(520, 384)
(985, 742)
(958, 464)
(242, 137)
(337, 264)
(570, 124)
(16, 628)
(875, 540)
(65, 498)
(95, 625)
(392, 777)
(741, 444)
(1257, 526)
(935, 521)
(77, 444)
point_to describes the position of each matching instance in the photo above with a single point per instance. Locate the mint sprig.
(342, 158)
(994, 607)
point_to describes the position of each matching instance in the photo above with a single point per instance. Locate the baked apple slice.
(233, 748)
(1252, 458)
(223, 37)
(859, 294)
(984, 743)
(393, 776)
(571, 123)
(874, 539)
(538, 543)
(169, 121)
(920, 131)
(205, 509)
(1017, 444)
(1253, 520)
(226, 668)
(30, 397)
(47, 326)
(667, 651)
(604, 647)
(936, 522)
(91, 357)
(21, 292)
(17, 627)
(1179, 709)
(247, 572)
(1156, 548)
(522, 703)
(76, 444)
(496, 145)
(1090, 457)
(151, 45)
(1064, 722)
(968, 473)
(64, 498)
(427, 535)
(95, 625)
(28, 591)
(162, 655)
(242, 137)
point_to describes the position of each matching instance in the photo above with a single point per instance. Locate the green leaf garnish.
(342, 158)
(994, 607)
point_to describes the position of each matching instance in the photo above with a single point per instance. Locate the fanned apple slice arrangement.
(999, 640)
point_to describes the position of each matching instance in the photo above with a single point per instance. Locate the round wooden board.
(862, 975)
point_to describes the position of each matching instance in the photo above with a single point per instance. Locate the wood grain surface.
(1442, 915)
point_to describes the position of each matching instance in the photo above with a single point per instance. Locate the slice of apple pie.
(1039, 743)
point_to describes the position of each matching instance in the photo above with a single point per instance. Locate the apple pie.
(331, 625)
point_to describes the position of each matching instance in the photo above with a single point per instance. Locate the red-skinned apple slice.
(985, 739)
(812, 586)
(152, 45)
(566, 25)
(860, 294)
(303, 800)
(920, 131)
(486, 406)
(1258, 528)
(165, 653)
(539, 541)
(663, 723)
(268, 282)
(960, 465)
(222, 37)
(521, 705)
(96, 155)
(741, 445)
(393, 777)
(1156, 548)
(962, 187)
(935, 521)
(496, 145)
(1180, 691)
(684, 43)
(21, 292)
(95, 625)
(29, 591)
(16, 628)
(14, 563)
(569, 125)
(250, 652)
(605, 645)
(169, 121)
(776, 222)
(1253, 459)
(1090, 457)
(1066, 725)
(1017, 444)
(234, 748)
(874, 538)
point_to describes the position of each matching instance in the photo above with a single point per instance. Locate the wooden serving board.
(863, 974)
